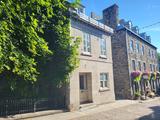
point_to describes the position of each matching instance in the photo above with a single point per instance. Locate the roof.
(121, 27)
(92, 22)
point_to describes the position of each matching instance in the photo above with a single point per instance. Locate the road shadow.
(155, 115)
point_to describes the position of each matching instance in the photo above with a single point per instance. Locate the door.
(83, 82)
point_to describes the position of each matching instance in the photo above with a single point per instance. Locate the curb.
(52, 112)
(33, 115)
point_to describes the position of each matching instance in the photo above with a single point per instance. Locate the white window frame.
(134, 65)
(144, 66)
(154, 68)
(149, 53)
(137, 47)
(131, 45)
(104, 80)
(139, 66)
(86, 43)
(152, 54)
(143, 49)
(103, 48)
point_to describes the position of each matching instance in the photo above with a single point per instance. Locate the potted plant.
(136, 76)
(146, 75)
(158, 75)
(137, 95)
(153, 76)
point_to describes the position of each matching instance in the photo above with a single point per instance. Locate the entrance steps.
(87, 106)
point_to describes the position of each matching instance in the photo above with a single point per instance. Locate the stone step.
(87, 106)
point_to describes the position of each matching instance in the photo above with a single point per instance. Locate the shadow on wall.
(155, 115)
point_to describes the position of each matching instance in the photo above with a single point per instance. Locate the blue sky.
(140, 12)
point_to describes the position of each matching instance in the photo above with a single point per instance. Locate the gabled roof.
(122, 27)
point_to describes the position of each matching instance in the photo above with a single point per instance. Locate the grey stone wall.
(120, 65)
(133, 55)
(110, 16)
(122, 56)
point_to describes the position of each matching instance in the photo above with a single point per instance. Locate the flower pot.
(145, 77)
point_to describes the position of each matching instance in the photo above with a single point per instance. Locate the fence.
(18, 106)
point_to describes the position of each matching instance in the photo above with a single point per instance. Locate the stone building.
(159, 65)
(92, 81)
(131, 50)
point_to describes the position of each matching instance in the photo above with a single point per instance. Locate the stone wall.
(133, 55)
(120, 66)
(110, 16)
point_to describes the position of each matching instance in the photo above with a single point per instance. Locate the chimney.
(122, 22)
(110, 16)
(143, 35)
(148, 38)
(128, 24)
(135, 29)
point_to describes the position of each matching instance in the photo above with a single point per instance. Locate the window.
(139, 65)
(87, 43)
(133, 65)
(137, 47)
(154, 68)
(142, 49)
(149, 53)
(144, 66)
(152, 54)
(103, 47)
(151, 68)
(131, 45)
(83, 82)
(103, 80)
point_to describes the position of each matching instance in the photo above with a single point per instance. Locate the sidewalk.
(72, 115)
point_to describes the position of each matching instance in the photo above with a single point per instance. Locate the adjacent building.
(92, 82)
(159, 65)
(131, 51)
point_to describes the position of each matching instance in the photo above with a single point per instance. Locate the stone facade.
(159, 65)
(123, 54)
(91, 66)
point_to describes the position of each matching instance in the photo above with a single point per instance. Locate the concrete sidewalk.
(72, 115)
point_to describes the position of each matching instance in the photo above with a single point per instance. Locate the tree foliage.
(26, 27)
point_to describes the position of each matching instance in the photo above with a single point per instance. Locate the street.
(141, 111)
(148, 110)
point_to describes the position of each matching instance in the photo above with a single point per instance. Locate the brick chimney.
(110, 16)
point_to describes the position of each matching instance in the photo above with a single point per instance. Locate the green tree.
(26, 27)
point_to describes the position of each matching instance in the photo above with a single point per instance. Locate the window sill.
(84, 90)
(103, 56)
(86, 54)
(104, 89)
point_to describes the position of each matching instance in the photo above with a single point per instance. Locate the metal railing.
(94, 22)
(19, 106)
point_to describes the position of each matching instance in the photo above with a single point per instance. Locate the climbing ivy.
(31, 30)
